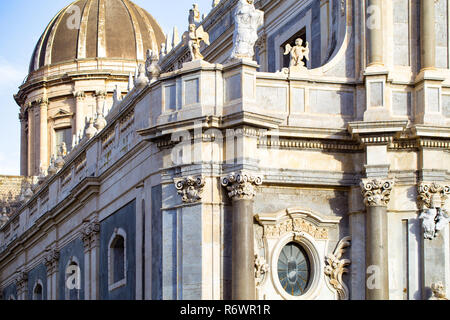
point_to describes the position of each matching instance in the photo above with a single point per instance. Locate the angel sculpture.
(193, 39)
(152, 67)
(438, 291)
(442, 220)
(428, 216)
(194, 15)
(298, 52)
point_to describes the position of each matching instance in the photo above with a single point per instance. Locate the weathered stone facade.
(256, 178)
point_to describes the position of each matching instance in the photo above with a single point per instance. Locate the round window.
(294, 271)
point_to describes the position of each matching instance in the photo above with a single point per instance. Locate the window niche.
(286, 59)
(63, 135)
(117, 260)
(38, 291)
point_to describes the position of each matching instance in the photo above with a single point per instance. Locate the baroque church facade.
(277, 149)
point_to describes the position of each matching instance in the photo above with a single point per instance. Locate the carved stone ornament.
(297, 53)
(376, 192)
(434, 218)
(247, 20)
(153, 70)
(89, 233)
(296, 225)
(21, 281)
(193, 38)
(190, 188)
(51, 260)
(429, 192)
(261, 269)
(438, 291)
(336, 267)
(241, 185)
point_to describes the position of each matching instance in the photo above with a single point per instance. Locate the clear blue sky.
(22, 23)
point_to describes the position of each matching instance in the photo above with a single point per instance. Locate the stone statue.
(215, 3)
(194, 15)
(194, 38)
(438, 291)
(140, 79)
(298, 52)
(152, 67)
(247, 20)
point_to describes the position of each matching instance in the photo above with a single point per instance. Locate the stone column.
(427, 34)
(43, 132)
(79, 111)
(431, 198)
(51, 262)
(374, 32)
(90, 236)
(31, 139)
(23, 145)
(376, 195)
(241, 189)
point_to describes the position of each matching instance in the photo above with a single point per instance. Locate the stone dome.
(96, 29)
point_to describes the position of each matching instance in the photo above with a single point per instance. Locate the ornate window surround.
(307, 242)
(306, 229)
(118, 232)
(38, 283)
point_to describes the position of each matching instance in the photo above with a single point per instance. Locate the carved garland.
(336, 267)
(296, 225)
(190, 188)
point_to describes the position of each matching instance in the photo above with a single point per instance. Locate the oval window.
(294, 270)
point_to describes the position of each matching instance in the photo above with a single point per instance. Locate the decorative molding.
(376, 192)
(429, 193)
(79, 95)
(296, 225)
(438, 291)
(336, 267)
(261, 269)
(42, 101)
(190, 188)
(306, 143)
(241, 185)
(21, 282)
(89, 234)
(51, 261)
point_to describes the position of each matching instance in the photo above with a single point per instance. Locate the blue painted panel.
(156, 243)
(125, 219)
(73, 249)
(10, 290)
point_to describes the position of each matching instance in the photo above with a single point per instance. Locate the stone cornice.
(241, 186)
(378, 132)
(376, 193)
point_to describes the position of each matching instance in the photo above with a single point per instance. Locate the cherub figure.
(438, 291)
(298, 52)
(428, 216)
(193, 38)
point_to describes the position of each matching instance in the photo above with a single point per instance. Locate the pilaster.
(241, 189)
(90, 234)
(51, 262)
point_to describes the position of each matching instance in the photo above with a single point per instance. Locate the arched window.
(117, 259)
(37, 291)
(73, 279)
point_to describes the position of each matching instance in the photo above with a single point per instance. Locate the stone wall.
(10, 189)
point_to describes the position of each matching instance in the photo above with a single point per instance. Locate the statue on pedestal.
(298, 52)
(247, 20)
(194, 38)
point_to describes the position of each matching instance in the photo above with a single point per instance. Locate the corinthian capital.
(241, 185)
(432, 195)
(190, 188)
(376, 193)
(79, 95)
